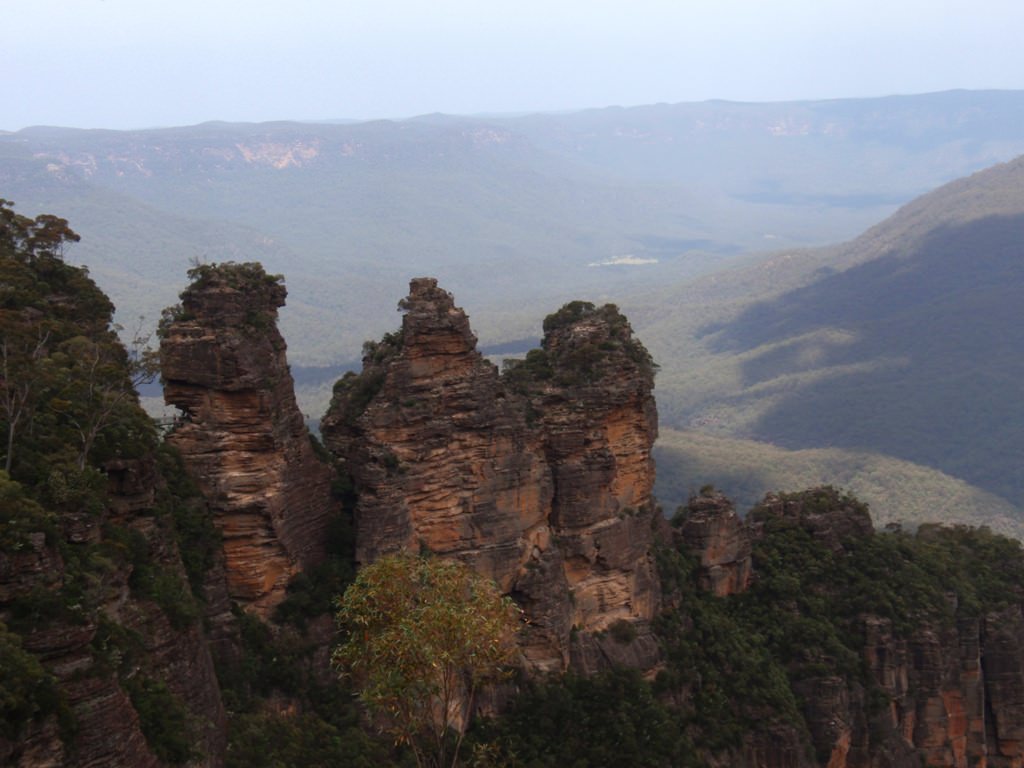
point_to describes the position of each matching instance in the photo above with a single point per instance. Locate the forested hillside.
(906, 342)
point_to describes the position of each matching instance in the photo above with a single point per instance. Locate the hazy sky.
(143, 63)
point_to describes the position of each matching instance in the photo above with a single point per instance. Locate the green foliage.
(263, 293)
(720, 671)
(248, 277)
(569, 314)
(353, 392)
(612, 718)
(66, 396)
(378, 352)
(117, 649)
(163, 718)
(623, 631)
(27, 691)
(527, 374)
(67, 407)
(180, 499)
(734, 664)
(31, 240)
(271, 661)
(313, 592)
(422, 635)
(271, 740)
(274, 663)
(577, 359)
(21, 517)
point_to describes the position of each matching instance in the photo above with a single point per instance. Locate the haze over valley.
(686, 215)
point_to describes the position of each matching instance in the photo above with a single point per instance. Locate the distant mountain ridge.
(511, 210)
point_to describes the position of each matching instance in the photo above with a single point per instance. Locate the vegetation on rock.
(107, 545)
(422, 635)
(582, 345)
(87, 528)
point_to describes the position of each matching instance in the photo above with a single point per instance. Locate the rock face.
(92, 657)
(711, 528)
(242, 436)
(540, 478)
(598, 422)
(952, 693)
(937, 693)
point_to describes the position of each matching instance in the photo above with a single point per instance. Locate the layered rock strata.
(241, 435)
(541, 478)
(710, 527)
(938, 693)
(93, 656)
(952, 693)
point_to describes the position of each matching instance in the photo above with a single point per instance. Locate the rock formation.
(241, 435)
(935, 691)
(710, 527)
(540, 479)
(540, 476)
(93, 657)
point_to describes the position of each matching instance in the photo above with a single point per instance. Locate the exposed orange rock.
(542, 483)
(710, 527)
(242, 436)
(953, 690)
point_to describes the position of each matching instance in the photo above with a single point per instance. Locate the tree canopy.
(423, 634)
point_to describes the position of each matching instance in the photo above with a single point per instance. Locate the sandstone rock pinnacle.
(242, 436)
(540, 478)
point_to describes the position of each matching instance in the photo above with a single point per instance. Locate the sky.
(147, 63)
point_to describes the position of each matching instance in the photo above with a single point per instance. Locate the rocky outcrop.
(935, 691)
(540, 478)
(121, 630)
(1002, 667)
(710, 528)
(831, 517)
(241, 435)
(597, 419)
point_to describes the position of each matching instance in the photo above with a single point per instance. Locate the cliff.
(103, 658)
(709, 526)
(798, 636)
(241, 434)
(540, 479)
(897, 650)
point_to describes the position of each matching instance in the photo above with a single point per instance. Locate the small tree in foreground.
(423, 634)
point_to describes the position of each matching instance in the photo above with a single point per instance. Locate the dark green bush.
(163, 718)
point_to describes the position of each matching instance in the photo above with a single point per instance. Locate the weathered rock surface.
(242, 436)
(598, 422)
(92, 655)
(712, 530)
(540, 480)
(938, 694)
